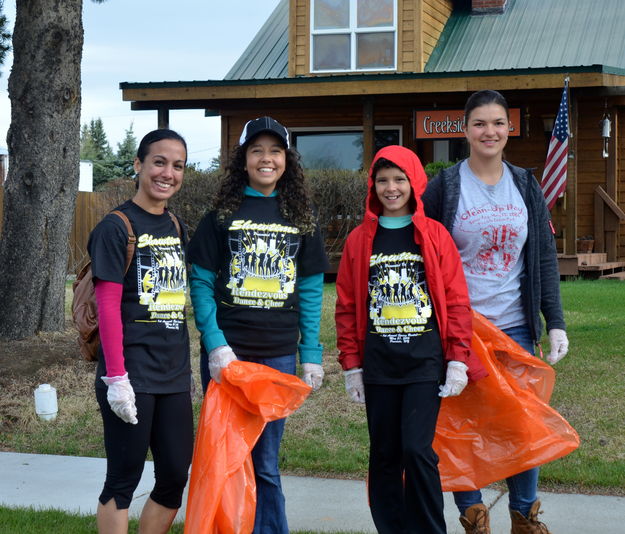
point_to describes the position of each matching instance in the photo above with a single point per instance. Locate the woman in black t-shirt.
(257, 284)
(143, 377)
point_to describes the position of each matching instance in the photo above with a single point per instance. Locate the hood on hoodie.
(410, 164)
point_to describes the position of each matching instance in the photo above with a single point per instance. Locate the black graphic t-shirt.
(403, 342)
(155, 336)
(258, 257)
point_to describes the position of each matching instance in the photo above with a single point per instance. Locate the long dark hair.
(154, 137)
(294, 198)
(483, 98)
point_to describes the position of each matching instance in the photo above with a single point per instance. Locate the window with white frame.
(353, 35)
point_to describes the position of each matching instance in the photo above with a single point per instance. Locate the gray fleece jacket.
(540, 283)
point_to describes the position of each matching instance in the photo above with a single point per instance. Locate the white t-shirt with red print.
(490, 230)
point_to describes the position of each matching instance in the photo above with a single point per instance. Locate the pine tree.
(126, 152)
(5, 36)
(87, 150)
(100, 142)
(41, 187)
(94, 146)
(43, 143)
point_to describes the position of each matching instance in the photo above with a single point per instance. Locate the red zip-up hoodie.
(443, 273)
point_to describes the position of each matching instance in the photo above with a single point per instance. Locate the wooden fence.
(90, 208)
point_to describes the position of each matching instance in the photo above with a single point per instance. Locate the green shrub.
(190, 203)
(434, 167)
(195, 196)
(338, 194)
(116, 192)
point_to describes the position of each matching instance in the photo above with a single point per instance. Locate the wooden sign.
(447, 123)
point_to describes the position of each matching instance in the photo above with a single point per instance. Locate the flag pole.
(565, 195)
(568, 111)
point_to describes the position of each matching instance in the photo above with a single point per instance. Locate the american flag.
(554, 176)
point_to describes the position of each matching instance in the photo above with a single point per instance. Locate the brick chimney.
(485, 7)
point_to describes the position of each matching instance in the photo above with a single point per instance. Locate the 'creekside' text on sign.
(446, 123)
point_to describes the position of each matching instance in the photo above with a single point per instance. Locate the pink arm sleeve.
(109, 298)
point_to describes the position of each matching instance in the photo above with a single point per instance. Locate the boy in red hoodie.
(403, 328)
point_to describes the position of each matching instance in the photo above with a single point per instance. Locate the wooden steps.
(614, 276)
(591, 265)
(611, 266)
(596, 265)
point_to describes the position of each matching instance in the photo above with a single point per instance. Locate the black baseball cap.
(264, 125)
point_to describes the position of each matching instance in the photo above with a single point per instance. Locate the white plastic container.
(45, 402)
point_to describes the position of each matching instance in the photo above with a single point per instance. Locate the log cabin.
(350, 76)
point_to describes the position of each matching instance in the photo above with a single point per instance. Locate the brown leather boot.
(475, 520)
(529, 524)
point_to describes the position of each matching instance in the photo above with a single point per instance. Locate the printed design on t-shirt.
(497, 244)
(262, 265)
(162, 279)
(400, 304)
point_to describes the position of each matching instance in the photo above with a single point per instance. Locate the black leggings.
(166, 427)
(404, 484)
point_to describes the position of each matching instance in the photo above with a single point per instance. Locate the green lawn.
(328, 435)
(590, 386)
(28, 521)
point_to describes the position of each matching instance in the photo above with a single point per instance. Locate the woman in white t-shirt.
(498, 219)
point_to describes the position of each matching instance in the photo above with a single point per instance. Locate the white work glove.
(559, 345)
(218, 358)
(312, 374)
(354, 385)
(455, 381)
(121, 398)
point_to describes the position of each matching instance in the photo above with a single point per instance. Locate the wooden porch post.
(163, 117)
(225, 141)
(368, 132)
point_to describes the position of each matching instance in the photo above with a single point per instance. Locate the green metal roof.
(530, 34)
(533, 34)
(530, 37)
(355, 78)
(267, 56)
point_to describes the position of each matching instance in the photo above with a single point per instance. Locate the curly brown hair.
(294, 197)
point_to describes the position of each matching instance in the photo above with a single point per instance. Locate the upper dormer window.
(353, 35)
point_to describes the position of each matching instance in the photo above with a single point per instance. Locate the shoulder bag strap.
(176, 223)
(132, 239)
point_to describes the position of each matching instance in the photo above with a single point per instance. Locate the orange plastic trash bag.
(500, 425)
(222, 489)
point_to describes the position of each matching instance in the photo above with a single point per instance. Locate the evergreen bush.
(434, 167)
(339, 196)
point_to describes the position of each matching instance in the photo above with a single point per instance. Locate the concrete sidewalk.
(74, 483)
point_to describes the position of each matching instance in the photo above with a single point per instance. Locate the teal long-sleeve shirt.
(310, 293)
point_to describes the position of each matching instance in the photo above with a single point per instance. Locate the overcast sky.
(153, 41)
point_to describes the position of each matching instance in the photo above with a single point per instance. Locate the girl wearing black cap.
(257, 283)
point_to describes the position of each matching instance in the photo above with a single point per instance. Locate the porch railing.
(608, 217)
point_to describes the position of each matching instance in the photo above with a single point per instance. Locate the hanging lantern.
(606, 126)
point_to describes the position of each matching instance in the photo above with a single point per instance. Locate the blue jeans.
(270, 504)
(522, 487)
